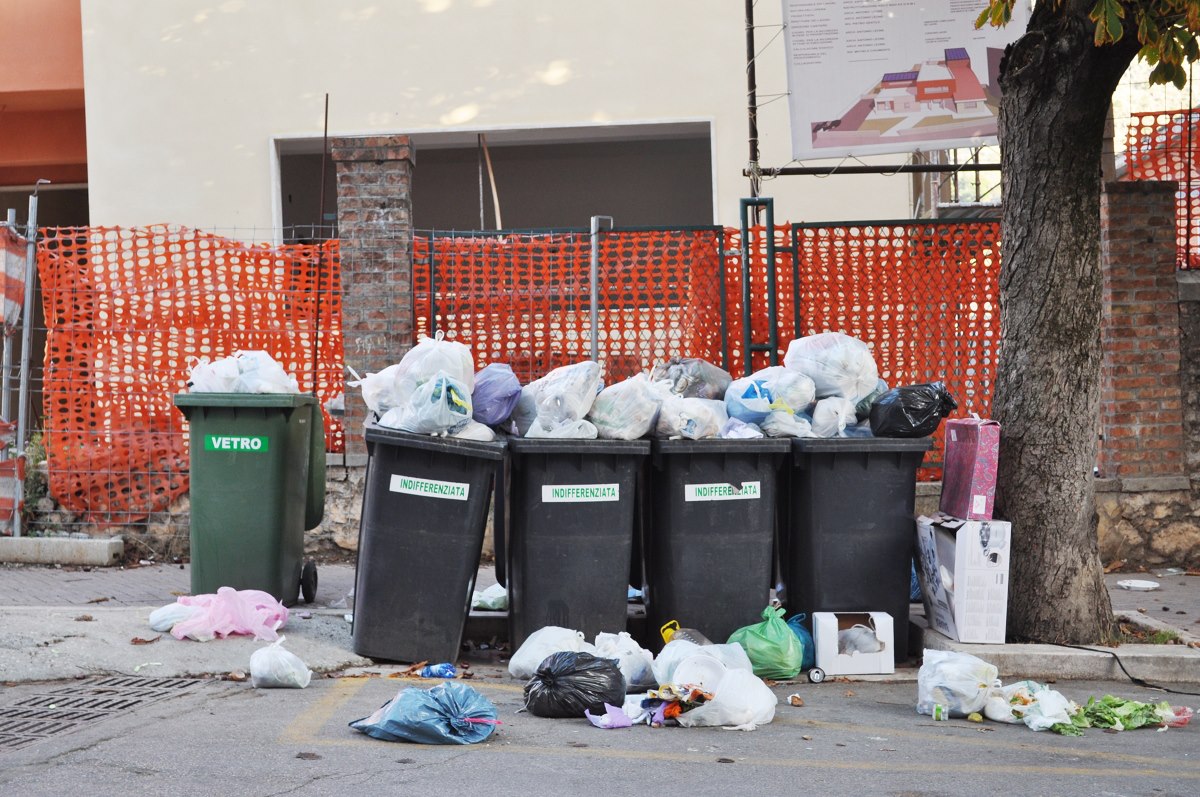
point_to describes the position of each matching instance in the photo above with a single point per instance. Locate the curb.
(1049, 663)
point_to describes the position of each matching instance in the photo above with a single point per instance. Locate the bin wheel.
(816, 675)
(308, 581)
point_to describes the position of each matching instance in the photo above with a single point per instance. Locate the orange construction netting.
(524, 298)
(923, 295)
(1165, 145)
(127, 312)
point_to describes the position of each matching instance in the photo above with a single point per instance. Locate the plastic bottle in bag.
(672, 631)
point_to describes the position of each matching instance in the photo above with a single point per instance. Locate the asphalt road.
(226, 738)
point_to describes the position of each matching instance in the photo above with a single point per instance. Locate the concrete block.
(62, 551)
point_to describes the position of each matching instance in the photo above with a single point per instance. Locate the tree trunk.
(1057, 87)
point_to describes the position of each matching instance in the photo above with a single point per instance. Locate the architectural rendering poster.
(868, 77)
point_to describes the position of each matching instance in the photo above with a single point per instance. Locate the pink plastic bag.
(230, 611)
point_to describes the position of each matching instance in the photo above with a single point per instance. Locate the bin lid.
(543, 445)
(721, 445)
(280, 400)
(860, 445)
(446, 445)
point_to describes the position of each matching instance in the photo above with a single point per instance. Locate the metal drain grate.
(69, 708)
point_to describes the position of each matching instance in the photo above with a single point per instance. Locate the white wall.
(185, 98)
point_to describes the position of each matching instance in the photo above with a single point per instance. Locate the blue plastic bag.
(796, 623)
(449, 713)
(495, 396)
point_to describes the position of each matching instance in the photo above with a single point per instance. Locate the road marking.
(304, 728)
(990, 741)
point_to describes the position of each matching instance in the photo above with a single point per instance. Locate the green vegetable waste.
(1116, 713)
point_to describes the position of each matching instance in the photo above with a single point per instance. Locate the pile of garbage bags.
(828, 386)
(613, 682)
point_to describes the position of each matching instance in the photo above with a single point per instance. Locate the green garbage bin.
(257, 483)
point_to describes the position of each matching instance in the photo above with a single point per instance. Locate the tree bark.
(1057, 87)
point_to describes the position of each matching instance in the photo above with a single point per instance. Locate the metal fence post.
(595, 289)
(26, 346)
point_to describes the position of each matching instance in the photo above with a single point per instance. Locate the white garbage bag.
(430, 357)
(831, 416)
(626, 410)
(791, 389)
(959, 681)
(785, 424)
(741, 701)
(540, 644)
(691, 418)
(838, 364)
(636, 663)
(440, 405)
(274, 667)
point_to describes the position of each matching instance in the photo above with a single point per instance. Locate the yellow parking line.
(304, 728)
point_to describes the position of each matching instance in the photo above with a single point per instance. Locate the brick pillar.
(1189, 326)
(374, 191)
(1141, 399)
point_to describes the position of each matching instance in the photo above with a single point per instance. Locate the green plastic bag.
(774, 650)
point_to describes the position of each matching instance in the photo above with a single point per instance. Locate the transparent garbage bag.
(959, 682)
(838, 364)
(748, 399)
(740, 701)
(691, 418)
(440, 405)
(831, 416)
(692, 377)
(792, 390)
(274, 667)
(626, 410)
(635, 662)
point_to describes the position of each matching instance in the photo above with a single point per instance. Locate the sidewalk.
(60, 622)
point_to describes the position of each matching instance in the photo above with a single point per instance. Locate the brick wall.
(374, 190)
(1141, 399)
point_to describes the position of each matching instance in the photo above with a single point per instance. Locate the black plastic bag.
(568, 683)
(913, 411)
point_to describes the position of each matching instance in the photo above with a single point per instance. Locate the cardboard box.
(969, 468)
(826, 626)
(963, 570)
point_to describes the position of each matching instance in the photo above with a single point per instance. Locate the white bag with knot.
(741, 702)
(540, 644)
(636, 663)
(219, 376)
(430, 357)
(274, 667)
(838, 364)
(379, 390)
(959, 681)
(831, 416)
(260, 373)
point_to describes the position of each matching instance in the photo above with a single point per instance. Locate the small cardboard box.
(969, 470)
(826, 626)
(963, 572)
